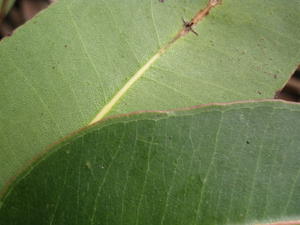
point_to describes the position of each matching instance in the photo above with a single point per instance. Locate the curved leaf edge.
(154, 115)
(135, 116)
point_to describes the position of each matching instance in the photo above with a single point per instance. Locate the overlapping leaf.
(234, 164)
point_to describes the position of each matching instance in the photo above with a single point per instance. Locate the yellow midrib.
(106, 109)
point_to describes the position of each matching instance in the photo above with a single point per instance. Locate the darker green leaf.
(234, 164)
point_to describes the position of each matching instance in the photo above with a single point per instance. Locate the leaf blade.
(141, 169)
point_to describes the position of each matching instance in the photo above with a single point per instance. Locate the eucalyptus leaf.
(230, 164)
(65, 65)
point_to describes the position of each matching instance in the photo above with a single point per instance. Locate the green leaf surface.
(60, 69)
(231, 164)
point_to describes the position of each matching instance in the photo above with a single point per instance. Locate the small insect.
(188, 26)
(161, 0)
